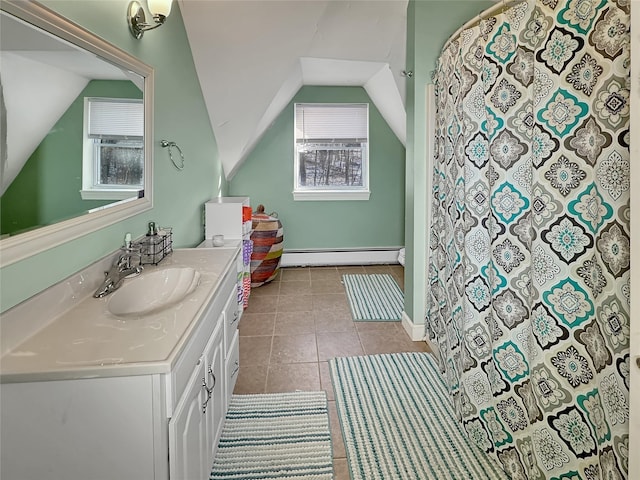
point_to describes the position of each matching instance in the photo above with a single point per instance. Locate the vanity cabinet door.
(232, 367)
(216, 406)
(195, 428)
(188, 430)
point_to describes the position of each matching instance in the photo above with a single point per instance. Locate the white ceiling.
(252, 56)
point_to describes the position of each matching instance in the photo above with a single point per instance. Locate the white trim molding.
(356, 256)
(330, 195)
(414, 330)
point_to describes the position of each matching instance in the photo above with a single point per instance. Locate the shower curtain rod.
(481, 16)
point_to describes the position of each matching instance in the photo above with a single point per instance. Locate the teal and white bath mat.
(398, 423)
(374, 297)
(275, 436)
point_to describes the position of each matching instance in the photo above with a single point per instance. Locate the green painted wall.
(52, 177)
(429, 25)
(180, 116)
(267, 177)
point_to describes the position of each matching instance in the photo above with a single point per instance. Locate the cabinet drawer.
(232, 366)
(232, 313)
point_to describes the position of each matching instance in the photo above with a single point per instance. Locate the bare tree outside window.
(120, 163)
(331, 165)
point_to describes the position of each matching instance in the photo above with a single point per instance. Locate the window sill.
(108, 194)
(330, 195)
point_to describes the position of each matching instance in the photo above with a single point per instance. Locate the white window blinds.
(331, 123)
(115, 118)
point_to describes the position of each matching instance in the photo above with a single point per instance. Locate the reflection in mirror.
(76, 131)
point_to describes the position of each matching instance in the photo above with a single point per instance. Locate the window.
(331, 151)
(113, 154)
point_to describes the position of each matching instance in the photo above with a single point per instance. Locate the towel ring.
(170, 145)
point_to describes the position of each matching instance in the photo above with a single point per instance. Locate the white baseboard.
(293, 258)
(415, 331)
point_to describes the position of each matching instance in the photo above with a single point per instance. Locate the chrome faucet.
(121, 268)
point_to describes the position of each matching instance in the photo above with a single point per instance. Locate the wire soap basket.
(153, 248)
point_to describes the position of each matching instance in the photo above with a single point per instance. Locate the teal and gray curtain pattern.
(528, 299)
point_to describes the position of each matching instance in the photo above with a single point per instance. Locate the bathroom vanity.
(92, 395)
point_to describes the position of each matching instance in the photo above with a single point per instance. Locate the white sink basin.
(154, 291)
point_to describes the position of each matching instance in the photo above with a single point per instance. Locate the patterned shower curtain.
(529, 244)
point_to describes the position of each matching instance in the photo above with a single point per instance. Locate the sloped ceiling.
(252, 56)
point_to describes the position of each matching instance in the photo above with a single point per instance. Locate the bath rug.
(398, 423)
(275, 436)
(373, 297)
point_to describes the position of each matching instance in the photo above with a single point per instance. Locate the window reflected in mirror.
(74, 126)
(113, 155)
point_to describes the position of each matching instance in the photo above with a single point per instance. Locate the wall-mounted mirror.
(76, 134)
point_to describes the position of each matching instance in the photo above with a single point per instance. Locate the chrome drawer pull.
(237, 365)
(204, 385)
(213, 377)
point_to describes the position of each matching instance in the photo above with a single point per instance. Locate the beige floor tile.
(294, 274)
(333, 321)
(252, 324)
(255, 350)
(325, 380)
(271, 288)
(262, 304)
(400, 281)
(341, 469)
(294, 349)
(338, 344)
(295, 303)
(326, 286)
(336, 432)
(294, 323)
(345, 269)
(330, 301)
(251, 380)
(302, 287)
(397, 270)
(325, 274)
(290, 377)
(378, 269)
(392, 328)
(377, 342)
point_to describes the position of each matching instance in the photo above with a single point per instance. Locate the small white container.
(218, 240)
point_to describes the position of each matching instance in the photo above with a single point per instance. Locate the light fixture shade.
(159, 7)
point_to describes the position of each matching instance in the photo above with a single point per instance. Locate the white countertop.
(87, 341)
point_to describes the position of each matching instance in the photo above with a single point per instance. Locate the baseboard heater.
(346, 256)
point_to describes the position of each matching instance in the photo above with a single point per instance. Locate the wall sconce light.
(137, 20)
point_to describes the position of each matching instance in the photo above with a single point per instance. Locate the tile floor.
(296, 323)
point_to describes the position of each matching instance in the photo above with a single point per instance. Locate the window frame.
(330, 192)
(91, 151)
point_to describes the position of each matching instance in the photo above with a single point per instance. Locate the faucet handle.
(124, 259)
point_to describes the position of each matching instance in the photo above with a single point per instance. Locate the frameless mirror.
(76, 131)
